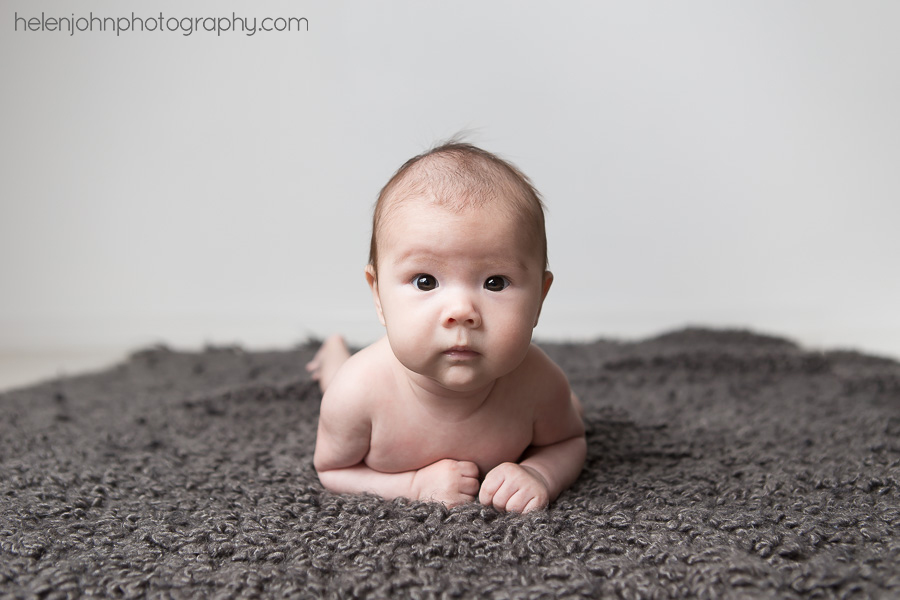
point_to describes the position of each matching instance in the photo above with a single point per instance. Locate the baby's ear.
(545, 287)
(373, 285)
(548, 281)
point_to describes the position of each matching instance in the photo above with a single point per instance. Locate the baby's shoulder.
(361, 380)
(541, 378)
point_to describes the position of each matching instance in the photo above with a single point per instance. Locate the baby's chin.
(465, 377)
(468, 379)
(457, 379)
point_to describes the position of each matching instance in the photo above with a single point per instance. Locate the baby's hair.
(458, 176)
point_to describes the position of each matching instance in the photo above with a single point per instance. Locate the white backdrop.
(709, 163)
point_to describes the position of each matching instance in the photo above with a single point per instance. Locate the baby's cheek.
(410, 348)
(515, 343)
(402, 333)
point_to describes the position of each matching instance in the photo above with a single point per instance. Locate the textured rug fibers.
(720, 464)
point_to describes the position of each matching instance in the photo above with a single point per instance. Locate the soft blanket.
(720, 464)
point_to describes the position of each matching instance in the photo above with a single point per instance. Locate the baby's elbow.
(327, 479)
(324, 468)
(331, 468)
(580, 443)
(319, 462)
(324, 465)
(332, 477)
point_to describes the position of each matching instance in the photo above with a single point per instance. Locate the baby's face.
(459, 293)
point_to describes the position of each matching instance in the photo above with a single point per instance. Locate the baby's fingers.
(467, 468)
(512, 488)
(524, 501)
(468, 481)
(469, 486)
(491, 494)
(535, 504)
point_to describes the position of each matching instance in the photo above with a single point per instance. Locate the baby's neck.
(444, 404)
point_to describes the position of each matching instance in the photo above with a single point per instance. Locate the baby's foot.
(331, 355)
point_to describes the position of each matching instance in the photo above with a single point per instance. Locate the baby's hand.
(514, 488)
(452, 482)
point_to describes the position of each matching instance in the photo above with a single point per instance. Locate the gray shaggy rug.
(720, 464)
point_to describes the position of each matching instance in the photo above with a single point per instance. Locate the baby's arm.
(553, 461)
(344, 435)
(449, 481)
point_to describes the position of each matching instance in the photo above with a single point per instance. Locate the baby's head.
(458, 265)
(459, 176)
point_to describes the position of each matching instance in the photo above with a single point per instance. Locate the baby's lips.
(461, 352)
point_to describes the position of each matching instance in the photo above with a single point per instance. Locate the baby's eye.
(424, 282)
(496, 283)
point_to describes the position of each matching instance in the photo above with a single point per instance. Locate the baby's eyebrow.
(418, 256)
(425, 257)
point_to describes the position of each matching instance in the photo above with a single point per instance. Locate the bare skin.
(334, 352)
(402, 447)
(454, 404)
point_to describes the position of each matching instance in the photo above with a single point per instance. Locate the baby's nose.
(462, 311)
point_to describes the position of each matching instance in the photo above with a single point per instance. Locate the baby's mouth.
(461, 353)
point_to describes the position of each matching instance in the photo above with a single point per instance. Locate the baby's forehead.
(406, 210)
(423, 232)
(461, 180)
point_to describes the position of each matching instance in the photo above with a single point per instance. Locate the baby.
(455, 402)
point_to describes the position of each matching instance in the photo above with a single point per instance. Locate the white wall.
(726, 164)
